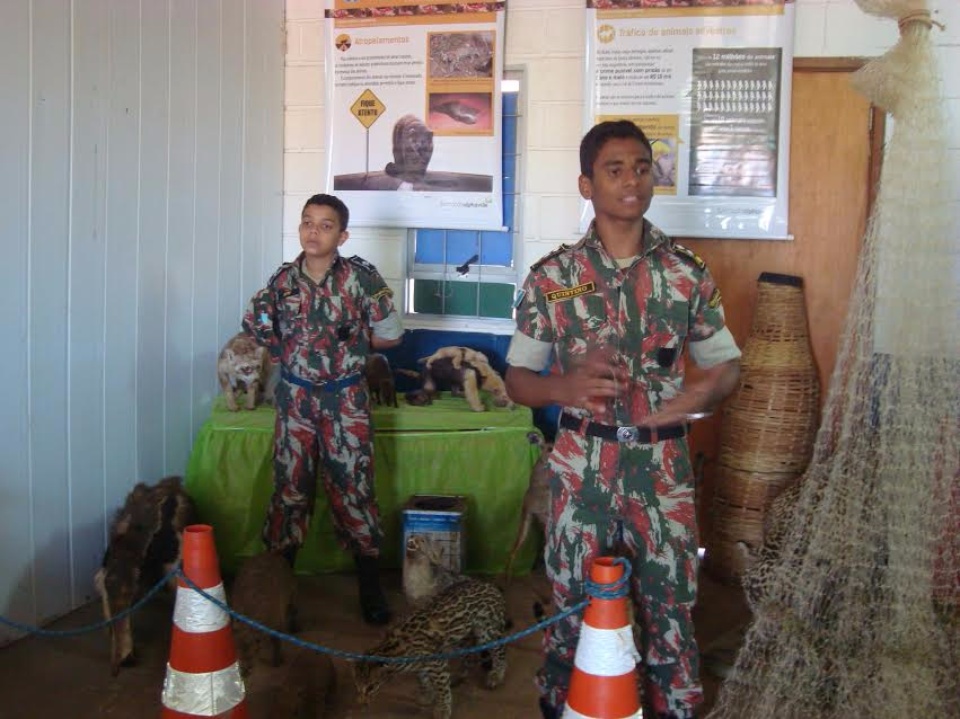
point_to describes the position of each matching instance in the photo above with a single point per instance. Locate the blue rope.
(29, 629)
(614, 590)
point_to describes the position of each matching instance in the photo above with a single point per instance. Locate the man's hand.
(591, 381)
(704, 396)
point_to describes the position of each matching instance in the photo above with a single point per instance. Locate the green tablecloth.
(443, 448)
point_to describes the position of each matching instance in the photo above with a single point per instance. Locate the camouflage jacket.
(320, 331)
(577, 298)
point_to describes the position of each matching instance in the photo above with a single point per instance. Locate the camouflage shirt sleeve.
(533, 317)
(260, 319)
(379, 296)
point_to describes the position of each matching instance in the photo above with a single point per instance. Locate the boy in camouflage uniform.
(320, 316)
(615, 311)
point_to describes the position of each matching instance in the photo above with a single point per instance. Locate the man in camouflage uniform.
(616, 311)
(320, 316)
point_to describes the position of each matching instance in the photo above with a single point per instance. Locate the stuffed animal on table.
(465, 372)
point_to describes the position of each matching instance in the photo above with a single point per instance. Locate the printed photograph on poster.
(734, 122)
(460, 113)
(460, 54)
(663, 131)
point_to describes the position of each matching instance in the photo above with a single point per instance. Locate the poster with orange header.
(413, 110)
(709, 83)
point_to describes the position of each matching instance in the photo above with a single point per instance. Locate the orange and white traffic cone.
(604, 680)
(203, 675)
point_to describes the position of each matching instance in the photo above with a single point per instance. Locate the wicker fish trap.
(770, 423)
(750, 490)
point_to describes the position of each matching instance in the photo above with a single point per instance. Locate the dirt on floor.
(43, 677)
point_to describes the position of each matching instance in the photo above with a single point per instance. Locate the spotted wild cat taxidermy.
(424, 572)
(412, 149)
(243, 366)
(469, 613)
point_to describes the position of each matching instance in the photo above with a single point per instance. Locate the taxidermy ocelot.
(144, 546)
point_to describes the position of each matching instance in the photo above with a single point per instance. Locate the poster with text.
(413, 112)
(708, 81)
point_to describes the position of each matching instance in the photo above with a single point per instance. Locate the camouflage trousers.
(637, 501)
(325, 433)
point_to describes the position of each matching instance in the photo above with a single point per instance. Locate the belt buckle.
(627, 434)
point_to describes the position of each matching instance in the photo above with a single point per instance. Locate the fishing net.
(858, 613)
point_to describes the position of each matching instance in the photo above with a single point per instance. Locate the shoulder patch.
(385, 292)
(549, 256)
(690, 255)
(358, 261)
(714, 301)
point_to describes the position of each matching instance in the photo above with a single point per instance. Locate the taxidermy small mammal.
(465, 371)
(536, 500)
(383, 390)
(243, 367)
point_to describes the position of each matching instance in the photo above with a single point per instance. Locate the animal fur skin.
(465, 371)
(243, 367)
(309, 688)
(379, 376)
(536, 500)
(264, 590)
(145, 543)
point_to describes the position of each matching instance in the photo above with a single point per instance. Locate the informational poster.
(413, 110)
(708, 81)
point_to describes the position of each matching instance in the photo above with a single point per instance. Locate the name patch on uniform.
(558, 295)
(385, 292)
(714, 298)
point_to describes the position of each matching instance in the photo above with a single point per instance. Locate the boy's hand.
(591, 381)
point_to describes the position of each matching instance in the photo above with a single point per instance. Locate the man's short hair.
(330, 201)
(600, 134)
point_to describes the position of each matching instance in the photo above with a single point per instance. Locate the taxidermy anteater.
(465, 372)
(536, 500)
(265, 591)
(144, 546)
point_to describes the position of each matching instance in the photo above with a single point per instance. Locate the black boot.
(548, 710)
(290, 554)
(373, 604)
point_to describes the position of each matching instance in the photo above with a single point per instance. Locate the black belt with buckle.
(643, 435)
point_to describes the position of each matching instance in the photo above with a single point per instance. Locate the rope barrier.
(29, 629)
(615, 590)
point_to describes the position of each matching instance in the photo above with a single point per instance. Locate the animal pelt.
(383, 389)
(536, 500)
(308, 689)
(465, 372)
(144, 546)
(424, 571)
(264, 590)
(244, 367)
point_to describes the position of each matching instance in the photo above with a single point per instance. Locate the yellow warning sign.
(367, 108)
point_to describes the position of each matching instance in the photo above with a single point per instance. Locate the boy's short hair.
(330, 201)
(600, 134)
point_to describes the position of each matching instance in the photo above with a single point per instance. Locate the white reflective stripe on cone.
(569, 713)
(196, 614)
(606, 652)
(206, 694)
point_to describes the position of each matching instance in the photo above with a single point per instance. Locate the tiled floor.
(41, 677)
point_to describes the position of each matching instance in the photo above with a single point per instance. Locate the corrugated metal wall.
(140, 206)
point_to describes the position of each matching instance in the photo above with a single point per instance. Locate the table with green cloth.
(441, 449)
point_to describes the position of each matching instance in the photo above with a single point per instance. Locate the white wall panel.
(141, 160)
(16, 577)
(49, 242)
(85, 322)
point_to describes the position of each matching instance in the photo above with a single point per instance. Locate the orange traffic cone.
(203, 676)
(604, 680)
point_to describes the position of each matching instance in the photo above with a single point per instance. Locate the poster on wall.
(413, 111)
(709, 83)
